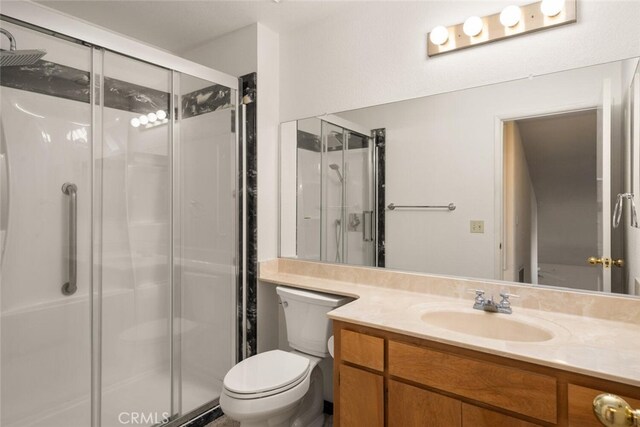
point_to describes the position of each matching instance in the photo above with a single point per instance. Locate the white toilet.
(279, 388)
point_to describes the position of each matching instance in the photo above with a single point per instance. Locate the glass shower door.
(135, 218)
(45, 234)
(117, 238)
(205, 177)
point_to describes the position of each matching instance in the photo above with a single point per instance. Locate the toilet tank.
(308, 327)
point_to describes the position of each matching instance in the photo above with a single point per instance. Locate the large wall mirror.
(528, 181)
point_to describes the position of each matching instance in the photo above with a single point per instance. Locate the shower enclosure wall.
(335, 193)
(118, 178)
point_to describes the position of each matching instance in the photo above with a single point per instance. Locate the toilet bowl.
(284, 389)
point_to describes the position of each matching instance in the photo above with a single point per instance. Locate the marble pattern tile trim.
(247, 290)
(205, 419)
(206, 100)
(50, 78)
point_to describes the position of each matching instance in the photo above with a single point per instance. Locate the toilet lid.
(267, 371)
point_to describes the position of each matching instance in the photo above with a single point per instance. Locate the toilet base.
(312, 404)
(307, 412)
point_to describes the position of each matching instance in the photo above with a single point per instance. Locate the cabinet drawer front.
(473, 416)
(414, 407)
(581, 406)
(361, 398)
(520, 391)
(361, 349)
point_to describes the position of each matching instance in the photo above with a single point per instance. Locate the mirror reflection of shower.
(335, 192)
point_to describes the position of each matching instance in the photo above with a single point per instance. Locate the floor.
(226, 422)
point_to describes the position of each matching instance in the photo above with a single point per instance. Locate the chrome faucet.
(488, 304)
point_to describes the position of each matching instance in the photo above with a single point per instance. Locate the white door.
(604, 189)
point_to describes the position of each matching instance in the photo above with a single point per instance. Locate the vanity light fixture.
(510, 22)
(439, 35)
(551, 8)
(510, 16)
(473, 26)
(135, 122)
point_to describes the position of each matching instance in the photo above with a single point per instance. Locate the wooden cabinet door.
(361, 401)
(581, 406)
(474, 416)
(414, 407)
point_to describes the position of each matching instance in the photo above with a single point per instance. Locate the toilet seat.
(266, 374)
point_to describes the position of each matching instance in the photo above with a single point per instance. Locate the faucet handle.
(479, 295)
(505, 298)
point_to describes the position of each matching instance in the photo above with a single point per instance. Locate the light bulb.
(439, 35)
(473, 26)
(144, 119)
(551, 7)
(161, 114)
(510, 16)
(152, 117)
(135, 122)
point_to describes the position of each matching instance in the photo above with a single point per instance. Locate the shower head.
(336, 168)
(14, 57)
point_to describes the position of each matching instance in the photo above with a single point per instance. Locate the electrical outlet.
(477, 226)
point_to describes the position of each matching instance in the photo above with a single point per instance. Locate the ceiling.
(178, 26)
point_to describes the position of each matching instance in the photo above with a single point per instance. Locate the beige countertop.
(585, 340)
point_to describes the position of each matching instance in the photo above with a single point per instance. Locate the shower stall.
(117, 232)
(335, 193)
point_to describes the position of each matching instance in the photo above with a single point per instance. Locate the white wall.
(441, 149)
(519, 196)
(376, 53)
(268, 128)
(235, 53)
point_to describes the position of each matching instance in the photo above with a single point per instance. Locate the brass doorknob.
(606, 262)
(613, 411)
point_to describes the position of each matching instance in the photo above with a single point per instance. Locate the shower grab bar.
(450, 207)
(71, 190)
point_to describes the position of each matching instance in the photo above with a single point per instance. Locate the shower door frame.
(49, 21)
(60, 24)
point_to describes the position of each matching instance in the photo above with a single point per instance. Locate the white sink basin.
(496, 326)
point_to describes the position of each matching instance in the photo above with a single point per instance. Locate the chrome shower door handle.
(367, 226)
(71, 190)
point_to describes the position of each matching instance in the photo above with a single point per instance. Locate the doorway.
(553, 208)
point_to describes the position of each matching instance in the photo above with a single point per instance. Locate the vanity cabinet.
(388, 379)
